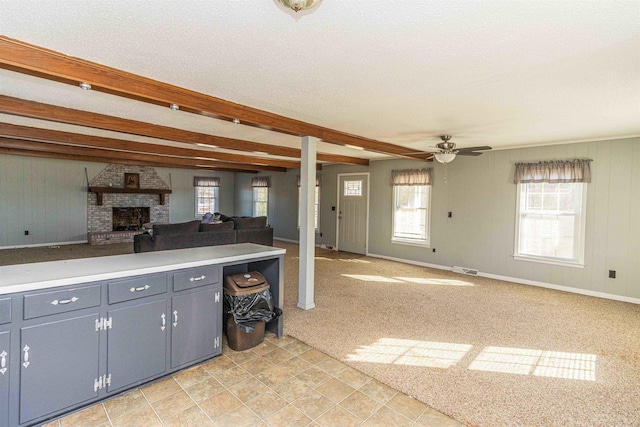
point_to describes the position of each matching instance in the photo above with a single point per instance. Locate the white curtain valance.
(261, 181)
(411, 177)
(317, 181)
(206, 181)
(553, 171)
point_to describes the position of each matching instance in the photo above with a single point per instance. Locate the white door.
(353, 200)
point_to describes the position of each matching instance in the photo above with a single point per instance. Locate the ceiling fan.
(447, 150)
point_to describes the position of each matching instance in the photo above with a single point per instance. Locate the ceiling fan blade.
(482, 148)
(468, 153)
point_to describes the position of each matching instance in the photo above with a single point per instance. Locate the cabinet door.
(136, 343)
(59, 365)
(4, 378)
(195, 320)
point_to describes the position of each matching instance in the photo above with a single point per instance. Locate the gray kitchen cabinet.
(59, 365)
(196, 326)
(84, 330)
(5, 353)
(136, 343)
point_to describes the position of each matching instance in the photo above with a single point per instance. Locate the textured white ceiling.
(505, 74)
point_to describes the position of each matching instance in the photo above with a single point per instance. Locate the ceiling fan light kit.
(445, 157)
(447, 150)
(298, 5)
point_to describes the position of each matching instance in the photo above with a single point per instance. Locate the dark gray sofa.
(194, 234)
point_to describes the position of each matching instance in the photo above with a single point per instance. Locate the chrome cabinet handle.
(64, 301)
(175, 318)
(140, 289)
(164, 322)
(25, 357)
(3, 362)
(197, 279)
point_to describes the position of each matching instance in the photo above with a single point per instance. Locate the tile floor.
(281, 382)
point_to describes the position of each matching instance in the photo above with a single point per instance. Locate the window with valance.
(206, 194)
(411, 206)
(551, 203)
(260, 186)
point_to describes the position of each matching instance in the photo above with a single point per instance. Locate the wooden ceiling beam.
(59, 156)
(23, 57)
(119, 156)
(38, 110)
(28, 132)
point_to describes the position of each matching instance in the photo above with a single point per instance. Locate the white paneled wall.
(480, 193)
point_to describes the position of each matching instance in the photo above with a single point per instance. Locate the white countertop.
(42, 275)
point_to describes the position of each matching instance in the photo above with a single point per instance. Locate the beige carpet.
(486, 352)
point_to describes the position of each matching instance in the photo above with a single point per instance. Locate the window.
(261, 186)
(551, 221)
(411, 213)
(551, 204)
(316, 219)
(206, 200)
(353, 188)
(206, 196)
(260, 201)
(411, 205)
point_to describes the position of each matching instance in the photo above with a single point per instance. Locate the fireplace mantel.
(102, 190)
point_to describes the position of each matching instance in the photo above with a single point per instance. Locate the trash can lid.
(245, 283)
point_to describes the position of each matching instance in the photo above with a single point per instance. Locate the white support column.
(307, 228)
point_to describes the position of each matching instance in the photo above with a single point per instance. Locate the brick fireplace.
(138, 208)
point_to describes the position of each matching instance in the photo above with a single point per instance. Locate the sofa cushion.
(216, 227)
(180, 228)
(250, 222)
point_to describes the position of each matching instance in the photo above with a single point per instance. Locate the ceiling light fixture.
(355, 147)
(236, 121)
(445, 157)
(174, 107)
(298, 5)
(85, 85)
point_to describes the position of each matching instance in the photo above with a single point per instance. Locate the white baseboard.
(38, 245)
(292, 241)
(408, 261)
(286, 240)
(520, 281)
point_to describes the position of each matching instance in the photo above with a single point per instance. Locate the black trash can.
(248, 305)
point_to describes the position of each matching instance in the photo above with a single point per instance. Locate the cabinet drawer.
(61, 301)
(5, 310)
(194, 277)
(137, 287)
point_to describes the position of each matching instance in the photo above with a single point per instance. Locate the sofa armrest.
(261, 236)
(143, 243)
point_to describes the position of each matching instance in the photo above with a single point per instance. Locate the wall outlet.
(612, 274)
(26, 232)
(434, 250)
(450, 215)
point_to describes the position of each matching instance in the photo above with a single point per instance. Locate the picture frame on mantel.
(132, 180)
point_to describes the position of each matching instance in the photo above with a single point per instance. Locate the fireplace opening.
(130, 219)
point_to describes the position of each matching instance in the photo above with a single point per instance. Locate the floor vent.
(465, 270)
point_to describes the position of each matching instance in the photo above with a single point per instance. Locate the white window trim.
(253, 201)
(411, 242)
(579, 262)
(215, 204)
